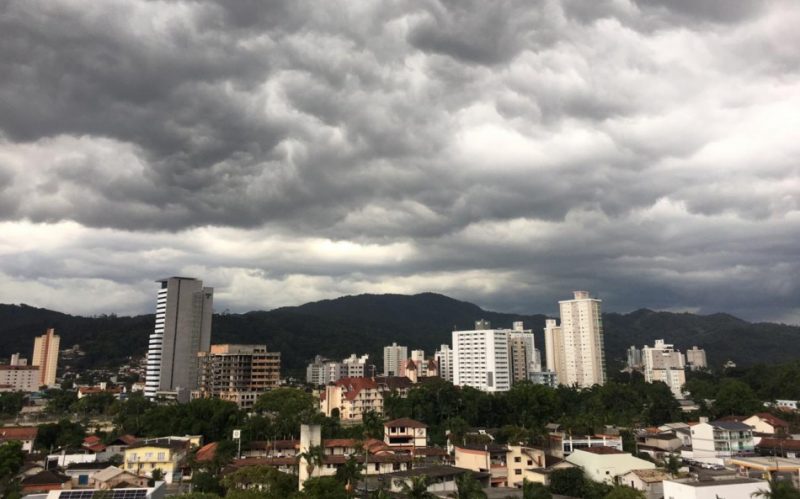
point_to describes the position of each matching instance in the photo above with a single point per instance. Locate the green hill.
(365, 323)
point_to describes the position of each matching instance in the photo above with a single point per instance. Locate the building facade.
(663, 363)
(394, 360)
(237, 373)
(444, 357)
(696, 358)
(522, 352)
(481, 359)
(45, 356)
(20, 378)
(575, 348)
(182, 330)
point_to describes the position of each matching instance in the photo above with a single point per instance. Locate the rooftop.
(405, 422)
(601, 450)
(717, 483)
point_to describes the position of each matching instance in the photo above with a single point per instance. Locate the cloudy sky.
(503, 152)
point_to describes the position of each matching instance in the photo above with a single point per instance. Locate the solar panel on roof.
(115, 494)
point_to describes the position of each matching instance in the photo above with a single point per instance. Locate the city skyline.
(490, 152)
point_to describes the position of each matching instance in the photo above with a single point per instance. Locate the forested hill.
(365, 323)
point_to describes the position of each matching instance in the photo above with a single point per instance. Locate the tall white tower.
(394, 360)
(182, 329)
(575, 349)
(481, 359)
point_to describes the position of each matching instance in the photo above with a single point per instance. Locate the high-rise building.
(663, 363)
(444, 357)
(417, 355)
(394, 360)
(237, 373)
(696, 358)
(182, 330)
(45, 356)
(522, 352)
(634, 357)
(356, 367)
(481, 359)
(575, 350)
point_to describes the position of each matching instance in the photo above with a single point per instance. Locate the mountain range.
(365, 323)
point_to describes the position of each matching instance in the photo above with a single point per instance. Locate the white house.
(405, 432)
(650, 482)
(604, 464)
(733, 488)
(719, 440)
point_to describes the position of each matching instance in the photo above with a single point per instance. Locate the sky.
(501, 152)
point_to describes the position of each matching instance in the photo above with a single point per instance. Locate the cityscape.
(404, 249)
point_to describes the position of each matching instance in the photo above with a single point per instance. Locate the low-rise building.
(732, 488)
(20, 378)
(158, 491)
(563, 444)
(650, 482)
(351, 398)
(405, 432)
(767, 424)
(166, 454)
(605, 464)
(718, 440)
(489, 458)
(45, 481)
(26, 435)
(114, 478)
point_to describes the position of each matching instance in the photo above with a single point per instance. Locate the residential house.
(114, 478)
(351, 398)
(781, 447)
(405, 432)
(45, 481)
(115, 391)
(166, 454)
(717, 440)
(563, 444)
(542, 474)
(732, 488)
(766, 424)
(519, 459)
(605, 464)
(441, 479)
(488, 458)
(649, 481)
(80, 473)
(24, 434)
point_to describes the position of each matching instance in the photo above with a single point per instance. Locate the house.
(394, 384)
(563, 444)
(115, 391)
(66, 456)
(351, 398)
(158, 491)
(487, 458)
(113, 477)
(767, 424)
(119, 444)
(732, 488)
(81, 472)
(45, 481)
(604, 464)
(270, 448)
(405, 432)
(718, 440)
(649, 482)
(166, 454)
(24, 434)
(521, 458)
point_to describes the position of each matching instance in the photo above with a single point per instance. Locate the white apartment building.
(663, 363)
(716, 441)
(696, 358)
(575, 350)
(394, 360)
(481, 359)
(356, 367)
(20, 378)
(444, 357)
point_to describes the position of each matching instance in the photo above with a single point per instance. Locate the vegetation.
(11, 459)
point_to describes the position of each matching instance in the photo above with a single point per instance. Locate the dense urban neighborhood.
(485, 416)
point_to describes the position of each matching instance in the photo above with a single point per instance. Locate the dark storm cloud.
(505, 152)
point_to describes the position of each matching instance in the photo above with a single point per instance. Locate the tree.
(204, 481)
(11, 459)
(468, 488)
(350, 472)
(326, 487)
(262, 478)
(156, 475)
(672, 464)
(416, 488)
(778, 489)
(65, 433)
(314, 457)
(567, 482)
(735, 397)
(623, 492)
(532, 490)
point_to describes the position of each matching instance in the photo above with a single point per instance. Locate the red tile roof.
(206, 452)
(773, 420)
(779, 443)
(18, 433)
(354, 386)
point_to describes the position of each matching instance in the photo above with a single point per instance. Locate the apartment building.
(481, 358)
(718, 440)
(575, 348)
(663, 363)
(237, 373)
(696, 358)
(405, 432)
(444, 357)
(45, 356)
(351, 398)
(20, 378)
(167, 454)
(522, 352)
(394, 360)
(182, 330)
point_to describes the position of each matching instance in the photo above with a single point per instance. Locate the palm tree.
(778, 489)
(313, 458)
(417, 489)
(350, 472)
(468, 488)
